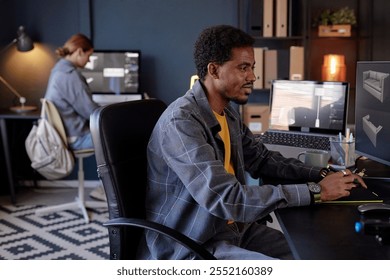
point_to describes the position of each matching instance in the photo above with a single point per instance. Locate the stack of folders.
(281, 64)
(277, 18)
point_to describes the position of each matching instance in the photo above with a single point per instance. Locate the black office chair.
(120, 133)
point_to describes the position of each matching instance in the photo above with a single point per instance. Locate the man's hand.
(339, 184)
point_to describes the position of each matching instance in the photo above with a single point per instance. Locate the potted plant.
(335, 23)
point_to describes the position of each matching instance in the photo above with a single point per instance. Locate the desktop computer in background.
(114, 76)
(372, 111)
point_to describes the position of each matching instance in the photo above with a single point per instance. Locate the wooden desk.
(327, 232)
(6, 114)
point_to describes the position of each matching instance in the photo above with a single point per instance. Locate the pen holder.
(342, 152)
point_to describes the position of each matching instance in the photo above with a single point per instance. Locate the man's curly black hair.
(215, 44)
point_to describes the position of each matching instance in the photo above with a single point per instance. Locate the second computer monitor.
(372, 111)
(113, 72)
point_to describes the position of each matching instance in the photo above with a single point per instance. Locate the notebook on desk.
(304, 114)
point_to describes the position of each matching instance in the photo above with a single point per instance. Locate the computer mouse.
(374, 208)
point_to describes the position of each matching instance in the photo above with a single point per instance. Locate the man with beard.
(199, 152)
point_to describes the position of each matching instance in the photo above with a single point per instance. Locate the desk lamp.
(334, 68)
(23, 44)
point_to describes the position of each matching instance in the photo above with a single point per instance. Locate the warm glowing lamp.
(334, 68)
(23, 44)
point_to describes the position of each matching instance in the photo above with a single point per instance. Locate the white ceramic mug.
(315, 158)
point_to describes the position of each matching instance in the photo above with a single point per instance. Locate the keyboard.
(315, 142)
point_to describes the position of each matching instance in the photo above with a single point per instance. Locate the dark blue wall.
(164, 31)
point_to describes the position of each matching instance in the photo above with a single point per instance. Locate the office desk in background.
(5, 115)
(327, 231)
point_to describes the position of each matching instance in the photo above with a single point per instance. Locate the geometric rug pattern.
(61, 235)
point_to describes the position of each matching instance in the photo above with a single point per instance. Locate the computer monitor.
(113, 72)
(309, 106)
(372, 111)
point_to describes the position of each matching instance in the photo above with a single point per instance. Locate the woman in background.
(70, 93)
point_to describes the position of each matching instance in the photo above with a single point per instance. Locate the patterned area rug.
(54, 236)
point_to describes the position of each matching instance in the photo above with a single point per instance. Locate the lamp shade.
(23, 44)
(334, 68)
(23, 41)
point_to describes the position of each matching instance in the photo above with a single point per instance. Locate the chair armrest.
(187, 242)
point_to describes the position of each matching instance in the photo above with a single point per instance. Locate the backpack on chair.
(46, 145)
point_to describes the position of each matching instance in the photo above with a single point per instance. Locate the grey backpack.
(47, 147)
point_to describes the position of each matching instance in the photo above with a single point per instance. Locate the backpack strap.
(50, 112)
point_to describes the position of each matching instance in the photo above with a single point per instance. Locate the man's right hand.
(339, 184)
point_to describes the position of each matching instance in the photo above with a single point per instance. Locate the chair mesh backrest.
(120, 134)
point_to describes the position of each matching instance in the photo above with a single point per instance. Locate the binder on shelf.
(268, 18)
(259, 68)
(256, 23)
(270, 67)
(297, 63)
(281, 18)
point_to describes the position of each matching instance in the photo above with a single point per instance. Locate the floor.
(57, 195)
(43, 195)
(58, 235)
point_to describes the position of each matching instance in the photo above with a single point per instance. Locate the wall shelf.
(302, 33)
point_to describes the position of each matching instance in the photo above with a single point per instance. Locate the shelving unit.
(302, 33)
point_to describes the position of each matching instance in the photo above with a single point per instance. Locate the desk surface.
(327, 232)
(8, 114)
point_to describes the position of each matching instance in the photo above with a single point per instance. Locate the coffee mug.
(315, 158)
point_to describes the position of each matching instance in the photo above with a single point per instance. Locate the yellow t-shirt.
(225, 135)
